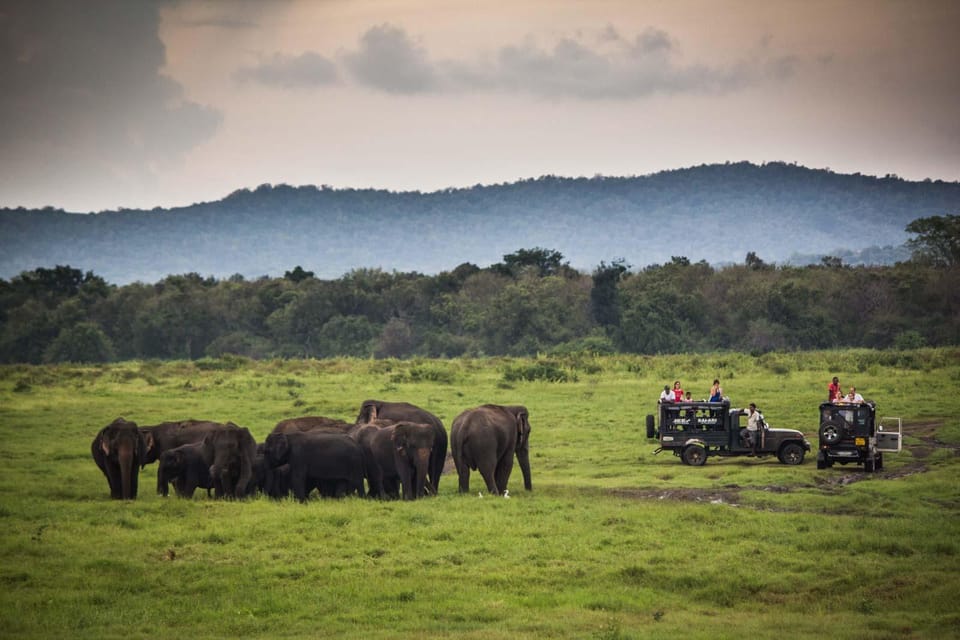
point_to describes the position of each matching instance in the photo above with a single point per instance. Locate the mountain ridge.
(716, 213)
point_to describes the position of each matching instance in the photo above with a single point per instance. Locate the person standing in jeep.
(833, 391)
(753, 424)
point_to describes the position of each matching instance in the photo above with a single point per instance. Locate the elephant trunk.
(523, 457)
(422, 465)
(127, 468)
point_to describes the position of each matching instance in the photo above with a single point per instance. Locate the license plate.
(860, 442)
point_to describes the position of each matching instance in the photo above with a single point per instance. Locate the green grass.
(614, 542)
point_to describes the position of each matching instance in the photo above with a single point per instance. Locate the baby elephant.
(186, 468)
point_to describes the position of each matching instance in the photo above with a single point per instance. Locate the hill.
(716, 213)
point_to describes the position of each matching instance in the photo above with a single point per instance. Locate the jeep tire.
(791, 453)
(694, 455)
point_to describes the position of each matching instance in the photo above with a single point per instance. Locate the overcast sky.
(107, 104)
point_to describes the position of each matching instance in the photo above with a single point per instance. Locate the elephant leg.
(298, 483)
(391, 487)
(357, 486)
(464, 476)
(163, 488)
(489, 476)
(134, 480)
(375, 479)
(503, 471)
(486, 464)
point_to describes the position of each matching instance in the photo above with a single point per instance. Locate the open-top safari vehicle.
(694, 431)
(850, 432)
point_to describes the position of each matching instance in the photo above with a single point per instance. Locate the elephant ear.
(104, 444)
(399, 439)
(523, 427)
(148, 440)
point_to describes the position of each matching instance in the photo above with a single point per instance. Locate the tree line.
(531, 302)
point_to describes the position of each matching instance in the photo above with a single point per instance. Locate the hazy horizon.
(112, 105)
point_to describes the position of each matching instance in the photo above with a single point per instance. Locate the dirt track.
(829, 481)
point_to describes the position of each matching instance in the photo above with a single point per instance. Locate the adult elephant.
(397, 455)
(170, 435)
(316, 460)
(119, 450)
(230, 452)
(186, 467)
(486, 438)
(314, 423)
(371, 410)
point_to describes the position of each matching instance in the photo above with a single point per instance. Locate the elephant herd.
(392, 450)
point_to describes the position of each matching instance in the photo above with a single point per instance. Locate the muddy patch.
(727, 495)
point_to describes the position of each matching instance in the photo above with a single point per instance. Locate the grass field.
(614, 541)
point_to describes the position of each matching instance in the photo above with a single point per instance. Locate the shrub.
(546, 370)
(83, 342)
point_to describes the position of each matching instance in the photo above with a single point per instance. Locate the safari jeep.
(696, 430)
(851, 433)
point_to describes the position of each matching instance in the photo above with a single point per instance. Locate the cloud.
(617, 68)
(390, 61)
(83, 95)
(609, 66)
(306, 70)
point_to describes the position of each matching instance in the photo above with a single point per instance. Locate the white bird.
(480, 494)
(506, 493)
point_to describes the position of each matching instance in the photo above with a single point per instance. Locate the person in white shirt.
(853, 396)
(667, 395)
(753, 424)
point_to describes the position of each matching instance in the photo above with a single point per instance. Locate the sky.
(138, 104)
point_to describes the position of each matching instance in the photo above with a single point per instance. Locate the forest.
(532, 302)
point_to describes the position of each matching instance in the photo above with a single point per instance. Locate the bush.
(592, 345)
(546, 370)
(228, 362)
(239, 343)
(910, 339)
(83, 342)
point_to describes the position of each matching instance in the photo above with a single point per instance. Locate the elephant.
(187, 468)
(120, 450)
(398, 453)
(371, 410)
(230, 453)
(314, 423)
(169, 435)
(331, 461)
(486, 438)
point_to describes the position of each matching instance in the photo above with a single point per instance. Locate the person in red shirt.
(677, 392)
(835, 394)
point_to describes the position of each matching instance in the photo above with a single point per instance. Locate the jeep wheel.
(868, 465)
(831, 432)
(879, 464)
(695, 455)
(651, 431)
(791, 453)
